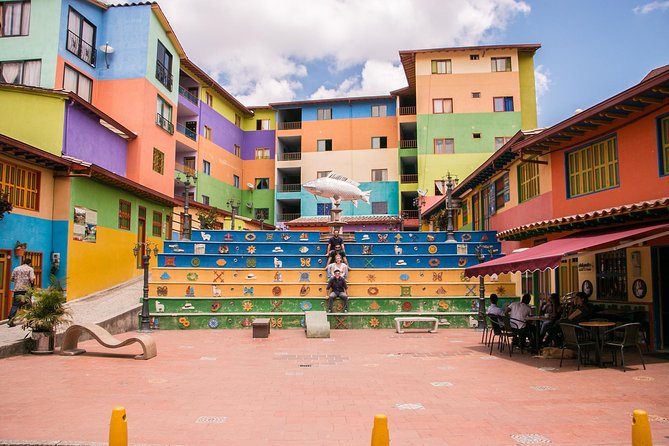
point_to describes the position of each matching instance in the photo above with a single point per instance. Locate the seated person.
(334, 241)
(493, 309)
(337, 287)
(519, 311)
(338, 264)
(582, 310)
(338, 250)
(551, 312)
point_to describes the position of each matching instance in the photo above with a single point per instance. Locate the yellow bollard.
(118, 427)
(641, 429)
(380, 435)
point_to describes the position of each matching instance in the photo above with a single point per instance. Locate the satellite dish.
(249, 205)
(107, 48)
(422, 192)
(250, 186)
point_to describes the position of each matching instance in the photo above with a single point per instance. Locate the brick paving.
(224, 388)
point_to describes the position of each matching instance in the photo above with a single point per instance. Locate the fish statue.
(337, 187)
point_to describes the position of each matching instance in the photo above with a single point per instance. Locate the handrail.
(289, 156)
(185, 131)
(294, 125)
(188, 95)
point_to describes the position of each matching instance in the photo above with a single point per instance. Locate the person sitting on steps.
(338, 264)
(338, 250)
(337, 287)
(334, 241)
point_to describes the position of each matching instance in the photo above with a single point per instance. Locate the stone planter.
(42, 343)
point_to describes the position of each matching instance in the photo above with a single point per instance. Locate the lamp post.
(234, 206)
(480, 256)
(419, 201)
(449, 183)
(144, 250)
(188, 182)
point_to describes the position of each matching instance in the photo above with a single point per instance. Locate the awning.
(549, 255)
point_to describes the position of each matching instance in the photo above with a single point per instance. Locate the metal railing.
(288, 187)
(408, 110)
(410, 214)
(289, 156)
(188, 132)
(83, 50)
(188, 95)
(164, 123)
(163, 75)
(409, 178)
(294, 125)
(184, 169)
(288, 216)
(408, 144)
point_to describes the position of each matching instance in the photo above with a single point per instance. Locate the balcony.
(408, 144)
(289, 156)
(83, 50)
(296, 125)
(184, 131)
(288, 187)
(409, 178)
(182, 168)
(287, 217)
(163, 75)
(406, 111)
(165, 123)
(188, 95)
(410, 214)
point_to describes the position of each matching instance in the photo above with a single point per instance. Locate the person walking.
(23, 277)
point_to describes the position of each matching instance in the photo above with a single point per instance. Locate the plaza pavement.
(222, 387)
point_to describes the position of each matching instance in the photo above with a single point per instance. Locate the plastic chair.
(486, 331)
(623, 337)
(577, 337)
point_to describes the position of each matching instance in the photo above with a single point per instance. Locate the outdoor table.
(595, 327)
(536, 322)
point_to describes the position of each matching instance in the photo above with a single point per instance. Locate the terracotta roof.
(633, 210)
(352, 219)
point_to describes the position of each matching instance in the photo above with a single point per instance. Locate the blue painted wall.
(347, 110)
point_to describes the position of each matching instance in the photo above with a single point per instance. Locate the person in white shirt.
(493, 309)
(338, 264)
(519, 311)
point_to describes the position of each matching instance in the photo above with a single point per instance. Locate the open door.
(5, 274)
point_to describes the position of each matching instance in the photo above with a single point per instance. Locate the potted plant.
(20, 249)
(46, 313)
(5, 204)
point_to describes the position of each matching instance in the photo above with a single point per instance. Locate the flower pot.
(19, 251)
(43, 343)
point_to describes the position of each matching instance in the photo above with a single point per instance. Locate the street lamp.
(187, 182)
(234, 206)
(145, 249)
(419, 201)
(449, 183)
(481, 257)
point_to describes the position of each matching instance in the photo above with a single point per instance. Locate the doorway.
(5, 274)
(661, 297)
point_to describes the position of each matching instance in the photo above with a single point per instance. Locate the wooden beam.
(660, 90)
(533, 161)
(595, 121)
(628, 108)
(647, 100)
(531, 151)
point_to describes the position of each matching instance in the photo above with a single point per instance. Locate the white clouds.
(652, 6)
(261, 50)
(542, 82)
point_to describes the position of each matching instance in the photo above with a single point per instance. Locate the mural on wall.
(85, 225)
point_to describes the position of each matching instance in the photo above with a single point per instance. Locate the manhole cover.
(370, 365)
(442, 384)
(157, 381)
(488, 358)
(643, 378)
(542, 388)
(456, 341)
(208, 358)
(304, 365)
(656, 418)
(409, 406)
(292, 373)
(530, 438)
(446, 367)
(211, 420)
(547, 369)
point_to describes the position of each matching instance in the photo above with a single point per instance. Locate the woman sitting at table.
(582, 310)
(551, 311)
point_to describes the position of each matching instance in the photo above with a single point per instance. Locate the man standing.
(337, 287)
(23, 277)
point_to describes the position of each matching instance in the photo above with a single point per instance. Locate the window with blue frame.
(206, 167)
(503, 104)
(323, 208)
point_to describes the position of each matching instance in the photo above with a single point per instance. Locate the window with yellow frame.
(22, 184)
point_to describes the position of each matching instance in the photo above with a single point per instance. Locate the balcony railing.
(163, 75)
(289, 156)
(288, 217)
(408, 110)
(410, 214)
(295, 125)
(83, 50)
(188, 95)
(408, 144)
(288, 187)
(409, 178)
(188, 132)
(190, 170)
(165, 123)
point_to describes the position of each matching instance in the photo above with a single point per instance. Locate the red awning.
(549, 255)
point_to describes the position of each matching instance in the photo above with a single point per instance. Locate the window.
(158, 161)
(612, 275)
(593, 168)
(209, 99)
(442, 105)
(441, 66)
(262, 124)
(503, 104)
(206, 167)
(262, 183)
(476, 212)
(323, 208)
(81, 37)
(207, 133)
(500, 141)
(262, 214)
(124, 208)
(465, 212)
(379, 174)
(164, 115)
(22, 184)
(157, 224)
(189, 165)
(205, 199)
(262, 153)
(528, 181)
(164, 66)
(379, 207)
(235, 181)
(77, 83)
(379, 142)
(324, 114)
(664, 145)
(15, 19)
(444, 146)
(502, 191)
(501, 64)
(238, 120)
(476, 94)
(439, 187)
(379, 111)
(21, 72)
(473, 57)
(323, 173)
(324, 145)
(238, 151)
(476, 135)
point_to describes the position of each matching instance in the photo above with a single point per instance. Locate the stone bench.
(106, 339)
(260, 327)
(400, 320)
(316, 324)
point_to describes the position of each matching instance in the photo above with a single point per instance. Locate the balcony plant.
(5, 205)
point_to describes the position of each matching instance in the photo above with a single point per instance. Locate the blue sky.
(262, 51)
